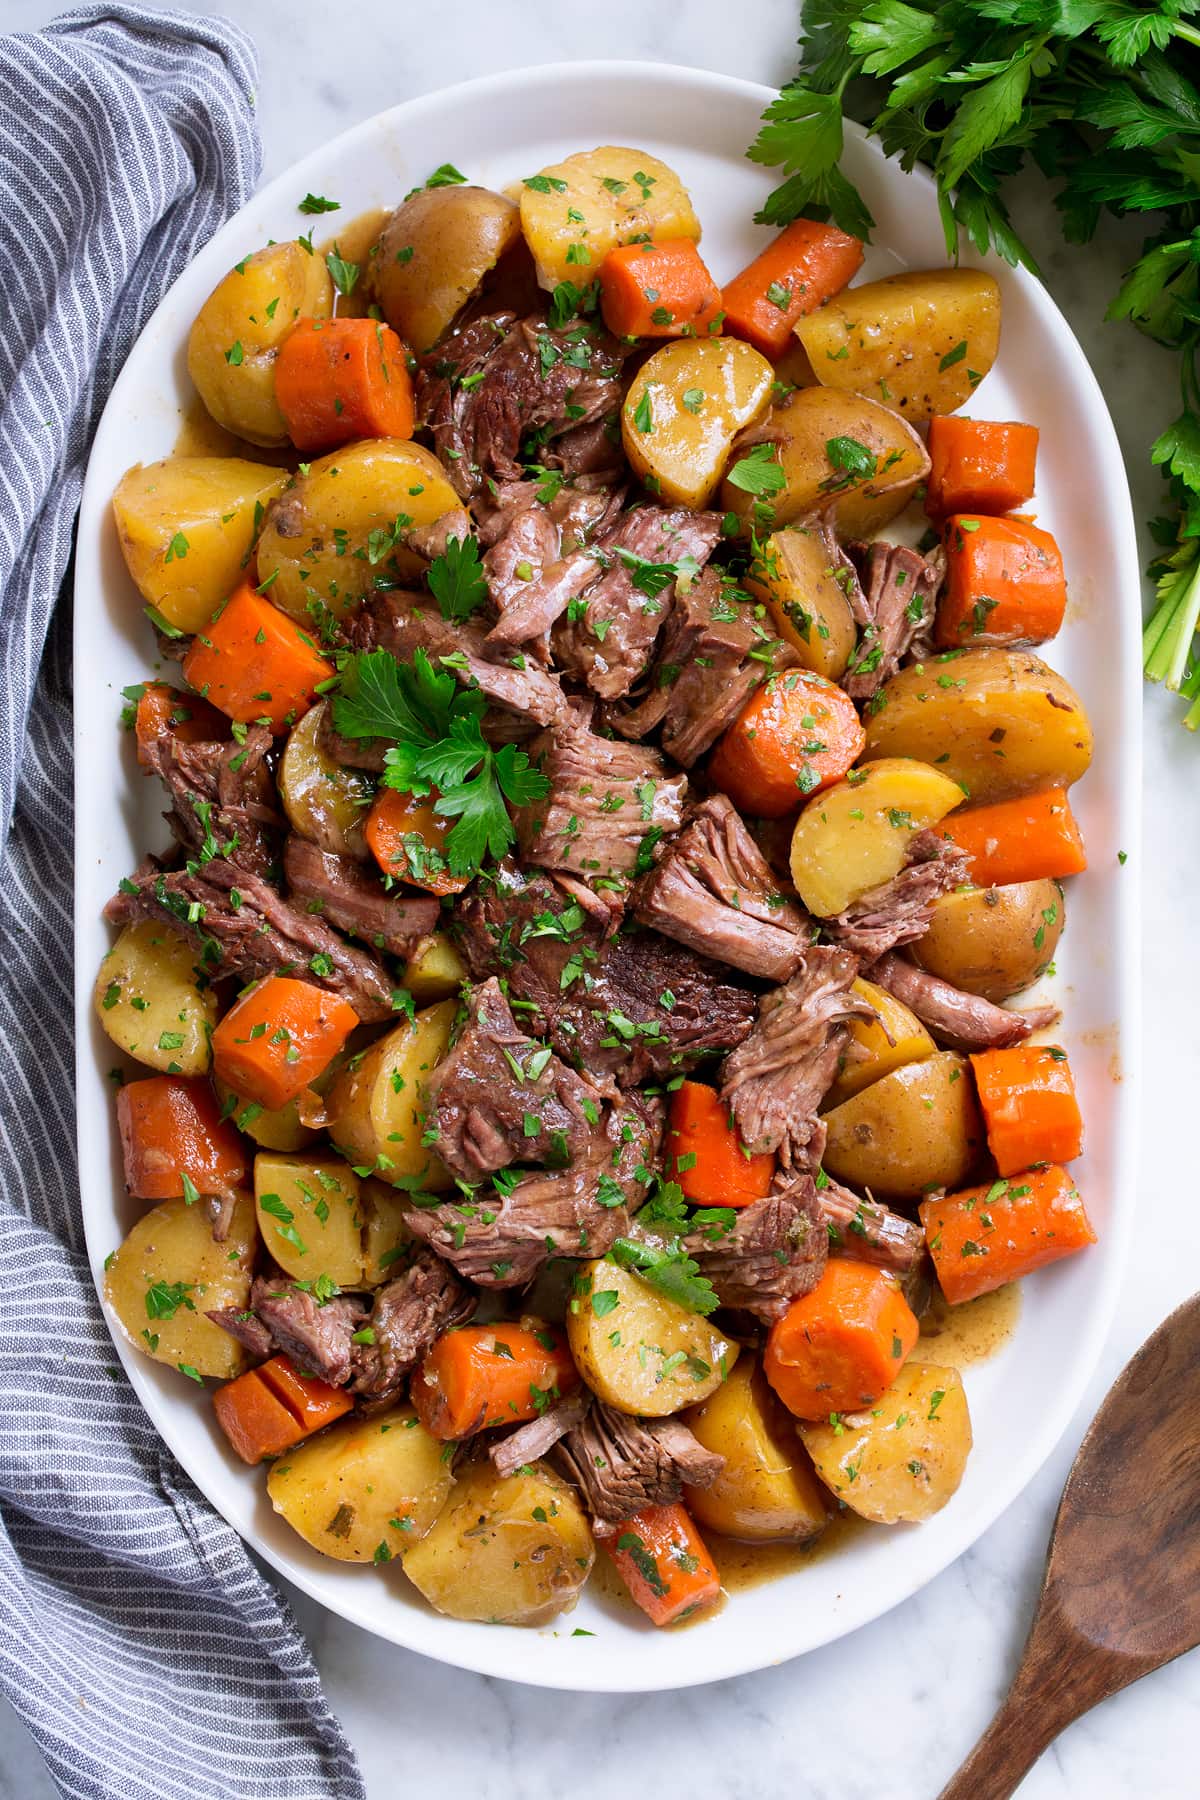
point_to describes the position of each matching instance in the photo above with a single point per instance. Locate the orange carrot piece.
(484, 1375)
(1027, 1096)
(164, 708)
(796, 735)
(1004, 583)
(979, 465)
(985, 1236)
(705, 1154)
(660, 290)
(837, 1348)
(407, 838)
(277, 1038)
(271, 1408)
(665, 1563)
(806, 265)
(254, 662)
(1027, 839)
(173, 1134)
(340, 379)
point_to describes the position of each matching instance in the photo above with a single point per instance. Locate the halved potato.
(511, 1550)
(237, 333)
(993, 941)
(170, 1272)
(309, 1216)
(841, 451)
(574, 212)
(377, 1109)
(432, 254)
(999, 722)
(855, 835)
(894, 1037)
(683, 409)
(767, 1492)
(921, 340)
(641, 1352)
(340, 530)
(386, 1237)
(435, 970)
(186, 528)
(152, 1002)
(807, 604)
(365, 1489)
(274, 1128)
(324, 801)
(904, 1459)
(915, 1129)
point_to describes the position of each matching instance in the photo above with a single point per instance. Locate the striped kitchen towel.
(138, 1640)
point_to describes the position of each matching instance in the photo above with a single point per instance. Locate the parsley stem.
(1190, 35)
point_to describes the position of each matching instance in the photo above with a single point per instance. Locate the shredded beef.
(582, 507)
(898, 911)
(407, 1315)
(712, 890)
(894, 606)
(958, 1021)
(223, 797)
(607, 800)
(430, 540)
(867, 1232)
(444, 404)
(767, 1254)
(521, 557)
(622, 1464)
(538, 1436)
(354, 900)
(315, 1337)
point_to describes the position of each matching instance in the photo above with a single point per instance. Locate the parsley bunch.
(1104, 96)
(433, 727)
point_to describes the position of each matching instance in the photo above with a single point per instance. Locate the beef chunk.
(767, 1254)
(957, 1020)
(444, 403)
(608, 642)
(712, 890)
(354, 900)
(499, 1097)
(528, 548)
(538, 1436)
(621, 1464)
(582, 506)
(407, 1315)
(868, 1232)
(774, 1082)
(606, 800)
(247, 1328)
(895, 607)
(240, 926)
(283, 1317)
(430, 541)
(223, 797)
(502, 1238)
(898, 911)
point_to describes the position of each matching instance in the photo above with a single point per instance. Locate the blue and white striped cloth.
(140, 1643)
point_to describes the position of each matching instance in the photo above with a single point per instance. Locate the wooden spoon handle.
(1004, 1754)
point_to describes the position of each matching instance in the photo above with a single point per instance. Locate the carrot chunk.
(705, 1154)
(1027, 839)
(255, 663)
(660, 290)
(278, 1038)
(1027, 1095)
(796, 735)
(985, 1236)
(837, 1348)
(1004, 583)
(806, 265)
(340, 379)
(407, 838)
(174, 1141)
(665, 1563)
(163, 708)
(271, 1408)
(979, 466)
(479, 1376)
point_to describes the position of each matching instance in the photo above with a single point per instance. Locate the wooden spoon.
(1121, 1594)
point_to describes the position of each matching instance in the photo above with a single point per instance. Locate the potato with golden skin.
(432, 255)
(912, 1130)
(993, 941)
(855, 835)
(309, 1216)
(377, 1106)
(905, 1458)
(639, 1351)
(683, 409)
(237, 333)
(325, 802)
(767, 1492)
(364, 1490)
(435, 970)
(574, 212)
(170, 1272)
(151, 1001)
(895, 1036)
(807, 603)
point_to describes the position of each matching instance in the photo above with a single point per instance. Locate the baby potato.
(999, 722)
(855, 835)
(376, 1104)
(365, 1489)
(339, 530)
(894, 1037)
(309, 1216)
(993, 941)
(840, 451)
(170, 1272)
(921, 340)
(509, 1550)
(151, 1002)
(808, 607)
(276, 1128)
(767, 1492)
(683, 409)
(641, 1352)
(324, 801)
(435, 970)
(237, 333)
(574, 212)
(904, 1459)
(386, 1237)
(186, 528)
(432, 254)
(915, 1129)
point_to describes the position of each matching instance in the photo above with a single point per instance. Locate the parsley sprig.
(1104, 96)
(657, 1254)
(456, 578)
(433, 727)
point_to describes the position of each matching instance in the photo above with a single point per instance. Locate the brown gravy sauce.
(970, 1333)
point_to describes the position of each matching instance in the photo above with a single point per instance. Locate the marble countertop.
(888, 1713)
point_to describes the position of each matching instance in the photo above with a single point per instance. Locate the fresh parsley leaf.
(758, 472)
(344, 275)
(317, 203)
(456, 578)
